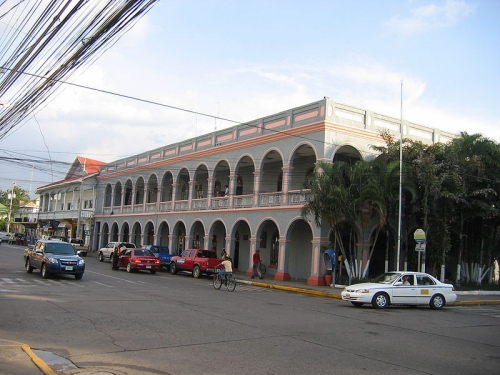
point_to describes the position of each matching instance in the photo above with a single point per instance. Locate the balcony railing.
(296, 197)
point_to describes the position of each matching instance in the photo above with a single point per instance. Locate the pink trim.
(316, 280)
(282, 276)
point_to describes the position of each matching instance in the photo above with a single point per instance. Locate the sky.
(243, 60)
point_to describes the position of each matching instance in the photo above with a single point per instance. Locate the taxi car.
(401, 288)
(138, 259)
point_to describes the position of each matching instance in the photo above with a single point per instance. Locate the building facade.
(176, 195)
(67, 207)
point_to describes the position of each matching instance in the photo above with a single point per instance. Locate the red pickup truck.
(197, 261)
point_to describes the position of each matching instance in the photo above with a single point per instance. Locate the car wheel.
(45, 274)
(79, 276)
(129, 268)
(380, 301)
(196, 272)
(29, 269)
(153, 272)
(437, 302)
(357, 304)
(173, 268)
(101, 257)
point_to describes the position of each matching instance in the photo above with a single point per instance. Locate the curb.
(37, 361)
(337, 296)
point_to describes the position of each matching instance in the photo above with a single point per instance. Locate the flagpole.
(400, 182)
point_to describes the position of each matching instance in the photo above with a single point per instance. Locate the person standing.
(226, 191)
(116, 255)
(256, 264)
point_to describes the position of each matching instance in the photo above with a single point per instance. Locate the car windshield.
(387, 278)
(59, 248)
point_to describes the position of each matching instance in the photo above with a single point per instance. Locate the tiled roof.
(90, 165)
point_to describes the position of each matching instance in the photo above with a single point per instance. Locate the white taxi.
(401, 288)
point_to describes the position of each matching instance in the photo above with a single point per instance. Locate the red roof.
(90, 165)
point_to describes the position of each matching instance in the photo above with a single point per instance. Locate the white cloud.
(430, 17)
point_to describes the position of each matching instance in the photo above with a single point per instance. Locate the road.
(140, 323)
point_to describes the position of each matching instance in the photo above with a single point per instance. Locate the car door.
(404, 294)
(37, 255)
(124, 258)
(426, 288)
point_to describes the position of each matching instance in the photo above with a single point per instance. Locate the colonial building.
(67, 206)
(175, 195)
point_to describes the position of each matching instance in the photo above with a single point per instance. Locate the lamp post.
(11, 196)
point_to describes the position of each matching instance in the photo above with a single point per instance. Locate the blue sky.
(242, 60)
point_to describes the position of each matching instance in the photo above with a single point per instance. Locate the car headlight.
(81, 262)
(363, 291)
(53, 260)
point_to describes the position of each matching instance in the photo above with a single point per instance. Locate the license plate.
(148, 266)
(69, 268)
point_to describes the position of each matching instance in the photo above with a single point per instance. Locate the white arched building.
(174, 195)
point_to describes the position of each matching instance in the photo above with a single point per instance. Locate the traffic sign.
(419, 236)
(420, 247)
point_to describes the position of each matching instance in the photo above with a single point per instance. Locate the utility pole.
(11, 196)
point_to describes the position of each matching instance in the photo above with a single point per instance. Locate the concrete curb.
(37, 361)
(337, 296)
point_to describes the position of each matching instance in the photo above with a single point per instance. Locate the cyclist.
(228, 268)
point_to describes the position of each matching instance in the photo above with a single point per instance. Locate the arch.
(163, 234)
(117, 197)
(272, 167)
(302, 162)
(149, 234)
(241, 247)
(136, 234)
(197, 235)
(183, 179)
(139, 190)
(179, 237)
(200, 179)
(299, 236)
(128, 193)
(167, 187)
(347, 153)
(107, 195)
(152, 190)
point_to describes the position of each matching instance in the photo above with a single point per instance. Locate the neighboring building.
(25, 219)
(173, 195)
(67, 206)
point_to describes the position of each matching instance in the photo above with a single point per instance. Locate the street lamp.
(11, 196)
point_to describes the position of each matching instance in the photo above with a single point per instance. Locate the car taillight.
(157, 261)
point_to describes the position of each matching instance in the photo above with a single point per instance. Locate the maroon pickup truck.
(197, 261)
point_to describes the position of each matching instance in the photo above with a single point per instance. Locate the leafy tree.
(20, 195)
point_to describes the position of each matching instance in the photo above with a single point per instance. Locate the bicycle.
(220, 277)
(262, 268)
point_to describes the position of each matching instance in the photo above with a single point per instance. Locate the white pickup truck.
(106, 252)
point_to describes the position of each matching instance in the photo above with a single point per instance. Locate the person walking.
(256, 264)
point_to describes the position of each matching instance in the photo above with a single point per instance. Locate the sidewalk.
(19, 359)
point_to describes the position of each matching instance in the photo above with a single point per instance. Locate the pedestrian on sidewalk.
(256, 264)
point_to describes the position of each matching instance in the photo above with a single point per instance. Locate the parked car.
(197, 261)
(53, 257)
(59, 238)
(107, 251)
(4, 236)
(138, 259)
(401, 288)
(79, 246)
(162, 253)
(17, 239)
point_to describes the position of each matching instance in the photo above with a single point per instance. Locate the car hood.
(368, 286)
(62, 256)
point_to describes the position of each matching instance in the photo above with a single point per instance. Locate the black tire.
(101, 257)
(173, 268)
(263, 268)
(129, 268)
(357, 304)
(231, 283)
(196, 272)
(78, 276)
(437, 302)
(153, 272)
(44, 272)
(380, 300)
(29, 269)
(217, 281)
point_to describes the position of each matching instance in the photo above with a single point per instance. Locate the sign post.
(419, 237)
